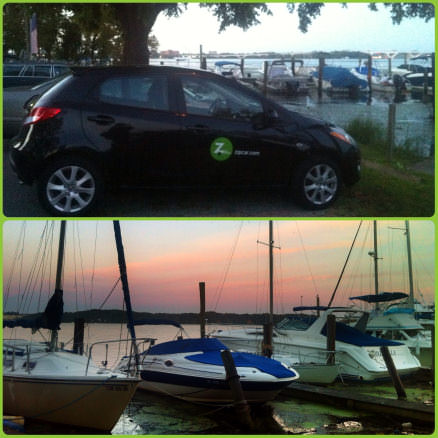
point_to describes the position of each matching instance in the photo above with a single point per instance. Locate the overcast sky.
(337, 28)
(166, 260)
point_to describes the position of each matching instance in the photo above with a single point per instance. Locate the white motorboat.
(358, 355)
(397, 321)
(192, 369)
(45, 383)
(231, 70)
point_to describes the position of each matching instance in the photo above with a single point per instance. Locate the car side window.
(147, 92)
(42, 70)
(206, 97)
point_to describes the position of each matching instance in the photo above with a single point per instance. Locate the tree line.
(120, 33)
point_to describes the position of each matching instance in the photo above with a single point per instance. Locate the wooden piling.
(265, 77)
(331, 339)
(202, 309)
(240, 404)
(242, 66)
(401, 393)
(391, 129)
(267, 348)
(78, 336)
(320, 76)
(370, 77)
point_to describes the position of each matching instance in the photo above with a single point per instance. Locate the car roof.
(124, 69)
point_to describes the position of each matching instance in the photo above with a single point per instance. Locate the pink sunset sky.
(166, 260)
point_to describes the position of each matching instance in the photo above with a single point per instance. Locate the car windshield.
(297, 322)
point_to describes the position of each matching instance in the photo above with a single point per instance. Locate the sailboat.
(312, 368)
(304, 336)
(395, 319)
(44, 382)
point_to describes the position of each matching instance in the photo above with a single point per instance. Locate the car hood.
(306, 122)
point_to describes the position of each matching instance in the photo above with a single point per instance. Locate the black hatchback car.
(149, 126)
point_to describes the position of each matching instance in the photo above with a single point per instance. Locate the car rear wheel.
(316, 183)
(70, 186)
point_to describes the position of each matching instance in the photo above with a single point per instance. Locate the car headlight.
(341, 135)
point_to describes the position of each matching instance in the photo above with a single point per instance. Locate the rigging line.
(279, 282)
(81, 260)
(94, 266)
(227, 267)
(27, 295)
(306, 257)
(18, 255)
(345, 265)
(110, 293)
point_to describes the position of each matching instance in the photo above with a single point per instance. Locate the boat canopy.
(350, 335)
(223, 63)
(264, 364)
(381, 297)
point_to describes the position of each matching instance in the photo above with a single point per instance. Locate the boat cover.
(394, 310)
(264, 364)
(187, 346)
(350, 335)
(340, 77)
(381, 297)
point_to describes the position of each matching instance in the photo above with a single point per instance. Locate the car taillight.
(40, 113)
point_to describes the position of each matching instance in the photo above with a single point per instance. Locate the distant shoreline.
(119, 316)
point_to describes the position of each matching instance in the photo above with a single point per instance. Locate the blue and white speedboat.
(192, 369)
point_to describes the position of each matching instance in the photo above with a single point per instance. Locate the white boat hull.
(94, 404)
(62, 387)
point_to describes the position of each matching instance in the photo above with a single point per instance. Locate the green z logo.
(221, 149)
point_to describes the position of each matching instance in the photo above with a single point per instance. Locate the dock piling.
(320, 75)
(78, 336)
(240, 404)
(331, 339)
(267, 339)
(401, 393)
(202, 310)
(265, 78)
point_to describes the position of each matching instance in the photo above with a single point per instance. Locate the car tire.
(316, 183)
(70, 186)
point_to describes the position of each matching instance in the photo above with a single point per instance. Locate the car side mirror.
(266, 119)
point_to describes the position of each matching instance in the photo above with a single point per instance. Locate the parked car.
(149, 126)
(17, 74)
(14, 104)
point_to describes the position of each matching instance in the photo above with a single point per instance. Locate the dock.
(407, 410)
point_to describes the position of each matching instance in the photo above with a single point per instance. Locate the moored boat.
(192, 369)
(43, 382)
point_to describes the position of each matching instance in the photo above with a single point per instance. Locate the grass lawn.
(385, 192)
(385, 189)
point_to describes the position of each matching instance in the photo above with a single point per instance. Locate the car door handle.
(198, 128)
(101, 119)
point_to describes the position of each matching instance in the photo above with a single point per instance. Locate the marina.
(342, 408)
(213, 377)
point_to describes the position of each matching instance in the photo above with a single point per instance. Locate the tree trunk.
(136, 21)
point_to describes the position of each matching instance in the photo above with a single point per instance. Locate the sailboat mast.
(271, 274)
(125, 285)
(411, 279)
(58, 281)
(376, 268)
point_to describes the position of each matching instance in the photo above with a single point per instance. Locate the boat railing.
(106, 343)
(15, 350)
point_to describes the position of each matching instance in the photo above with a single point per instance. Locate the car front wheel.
(316, 183)
(70, 187)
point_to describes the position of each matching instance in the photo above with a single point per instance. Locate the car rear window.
(140, 91)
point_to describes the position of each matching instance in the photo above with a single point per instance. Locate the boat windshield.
(296, 322)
